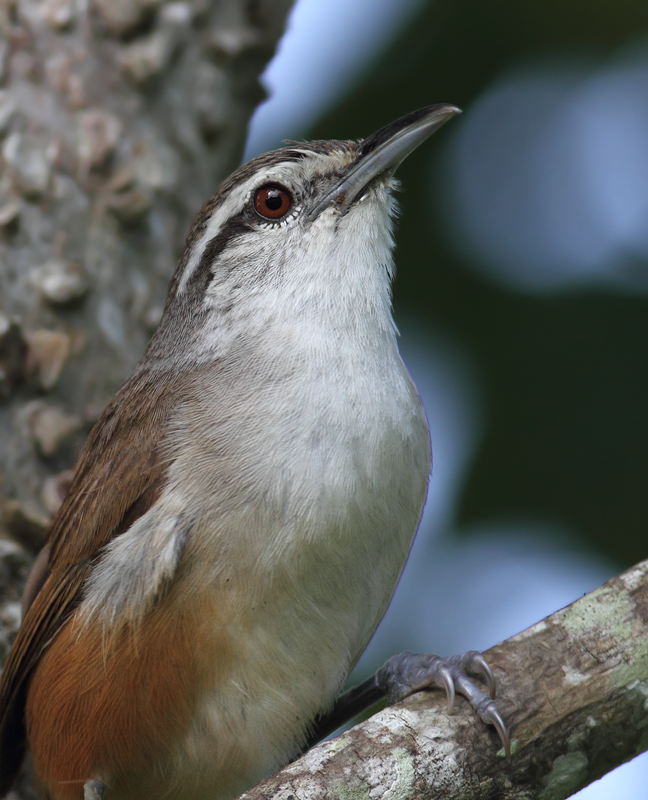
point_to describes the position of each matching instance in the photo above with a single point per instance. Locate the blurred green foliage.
(565, 376)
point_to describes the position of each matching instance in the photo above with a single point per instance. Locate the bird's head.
(304, 230)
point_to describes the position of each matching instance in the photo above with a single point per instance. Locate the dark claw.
(493, 717)
(481, 665)
(407, 673)
(445, 675)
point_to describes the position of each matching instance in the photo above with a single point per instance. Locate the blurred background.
(521, 295)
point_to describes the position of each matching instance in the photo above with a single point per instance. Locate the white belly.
(305, 570)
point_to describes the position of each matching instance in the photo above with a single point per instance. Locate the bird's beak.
(380, 154)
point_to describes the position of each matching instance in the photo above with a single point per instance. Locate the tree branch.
(573, 688)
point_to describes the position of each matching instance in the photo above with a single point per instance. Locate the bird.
(240, 514)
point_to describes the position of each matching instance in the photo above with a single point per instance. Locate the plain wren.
(241, 512)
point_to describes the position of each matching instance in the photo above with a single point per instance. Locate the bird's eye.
(272, 201)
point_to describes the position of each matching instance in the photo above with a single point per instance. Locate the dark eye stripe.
(202, 274)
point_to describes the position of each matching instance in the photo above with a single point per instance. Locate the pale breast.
(303, 560)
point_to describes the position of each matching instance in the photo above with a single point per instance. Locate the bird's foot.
(407, 673)
(94, 790)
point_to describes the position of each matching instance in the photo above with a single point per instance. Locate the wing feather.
(119, 476)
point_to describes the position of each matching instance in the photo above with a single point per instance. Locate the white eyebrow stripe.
(231, 206)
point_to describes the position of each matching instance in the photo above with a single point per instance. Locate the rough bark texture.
(574, 689)
(118, 119)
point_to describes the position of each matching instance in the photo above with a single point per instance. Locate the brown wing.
(119, 475)
(51, 607)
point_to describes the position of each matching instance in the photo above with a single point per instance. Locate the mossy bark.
(573, 688)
